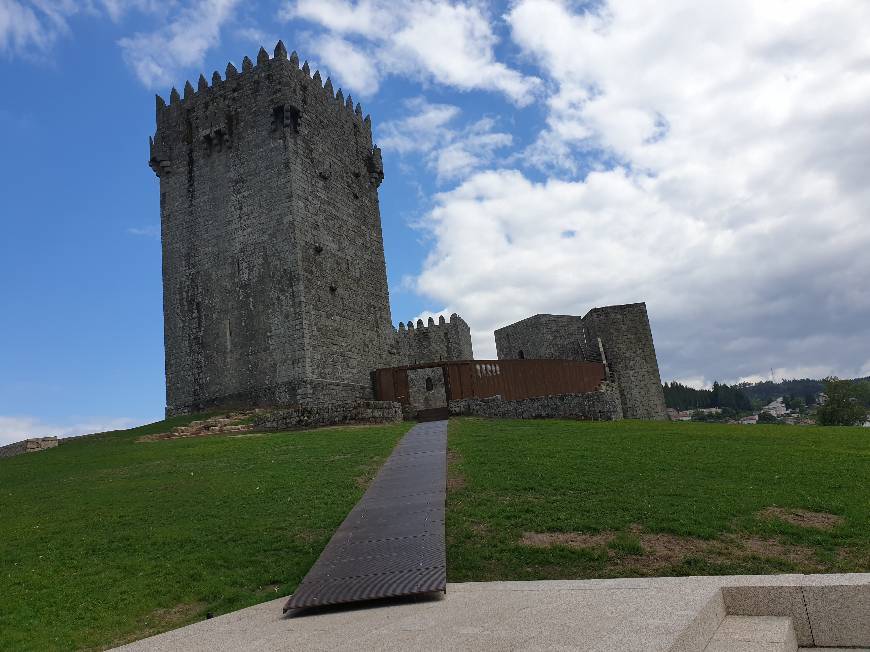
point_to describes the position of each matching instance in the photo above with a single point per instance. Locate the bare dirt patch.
(455, 479)
(569, 539)
(668, 549)
(802, 517)
(662, 550)
(480, 529)
(802, 555)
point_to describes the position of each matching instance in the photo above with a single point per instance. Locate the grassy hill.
(568, 499)
(106, 539)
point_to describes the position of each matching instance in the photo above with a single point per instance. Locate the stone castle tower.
(620, 336)
(275, 285)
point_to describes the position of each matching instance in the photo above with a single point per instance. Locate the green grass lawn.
(105, 540)
(572, 499)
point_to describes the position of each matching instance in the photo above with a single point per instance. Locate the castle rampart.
(444, 341)
(620, 336)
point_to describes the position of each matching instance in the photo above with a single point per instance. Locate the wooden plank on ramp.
(392, 543)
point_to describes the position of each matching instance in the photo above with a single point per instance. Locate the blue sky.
(541, 156)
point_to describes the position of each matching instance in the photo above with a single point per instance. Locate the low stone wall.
(603, 405)
(311, 416)
(31, 445)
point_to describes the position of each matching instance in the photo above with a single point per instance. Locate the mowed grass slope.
(571, 499)
(104, 540)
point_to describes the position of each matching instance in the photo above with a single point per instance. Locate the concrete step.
(754, 634)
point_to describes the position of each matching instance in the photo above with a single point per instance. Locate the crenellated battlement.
(233, 81)
(444, 340)
(455, 321)
(274, 94)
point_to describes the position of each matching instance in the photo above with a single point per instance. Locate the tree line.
(682, 397)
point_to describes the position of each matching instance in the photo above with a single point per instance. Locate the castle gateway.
(274, 280)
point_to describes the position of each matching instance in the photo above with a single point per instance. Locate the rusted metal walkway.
(392, 542)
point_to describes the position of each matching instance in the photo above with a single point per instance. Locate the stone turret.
(444, 341)
(619, 336)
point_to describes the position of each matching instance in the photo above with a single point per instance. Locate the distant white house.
(867, 424)
(750, 420)
(776, 408)
(677, 415)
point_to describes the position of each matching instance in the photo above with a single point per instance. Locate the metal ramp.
(392, 542)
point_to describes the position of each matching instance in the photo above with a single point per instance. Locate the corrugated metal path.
(392, 542)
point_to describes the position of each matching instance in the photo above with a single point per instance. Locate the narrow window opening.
(294, 116)
(429, 384)
(278, 118)
(521, 355)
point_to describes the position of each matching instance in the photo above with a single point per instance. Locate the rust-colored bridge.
(510, 379)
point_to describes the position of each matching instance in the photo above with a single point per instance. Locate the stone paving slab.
(678, 614)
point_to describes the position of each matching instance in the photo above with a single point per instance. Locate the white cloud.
(726, 143)
(348, 62)
(158, 57)
(451, 43)
(28, 28)
(16, 428)
(147, 231)
(450, 152)
(117, 8)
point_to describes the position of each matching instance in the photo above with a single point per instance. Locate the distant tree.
(861, 391)
(767, 417)
(841, 408)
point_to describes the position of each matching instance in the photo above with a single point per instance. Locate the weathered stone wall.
(275, 288)
(603, 405)
(631, 357)
(314, 415)
(446, 340)
(426, 388)
(556, 337)
(626, 339)
(31, 445)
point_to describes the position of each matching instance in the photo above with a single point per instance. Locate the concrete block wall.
(275, 288)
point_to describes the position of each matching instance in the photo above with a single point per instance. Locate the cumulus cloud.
(450, 152)
(16, 428)
(450, 43)
(157, 57)
(30, 28)
(27, 28)
(348, 62)
(708, 158)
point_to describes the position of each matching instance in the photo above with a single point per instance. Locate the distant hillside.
(767, 391)
(686, 398)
